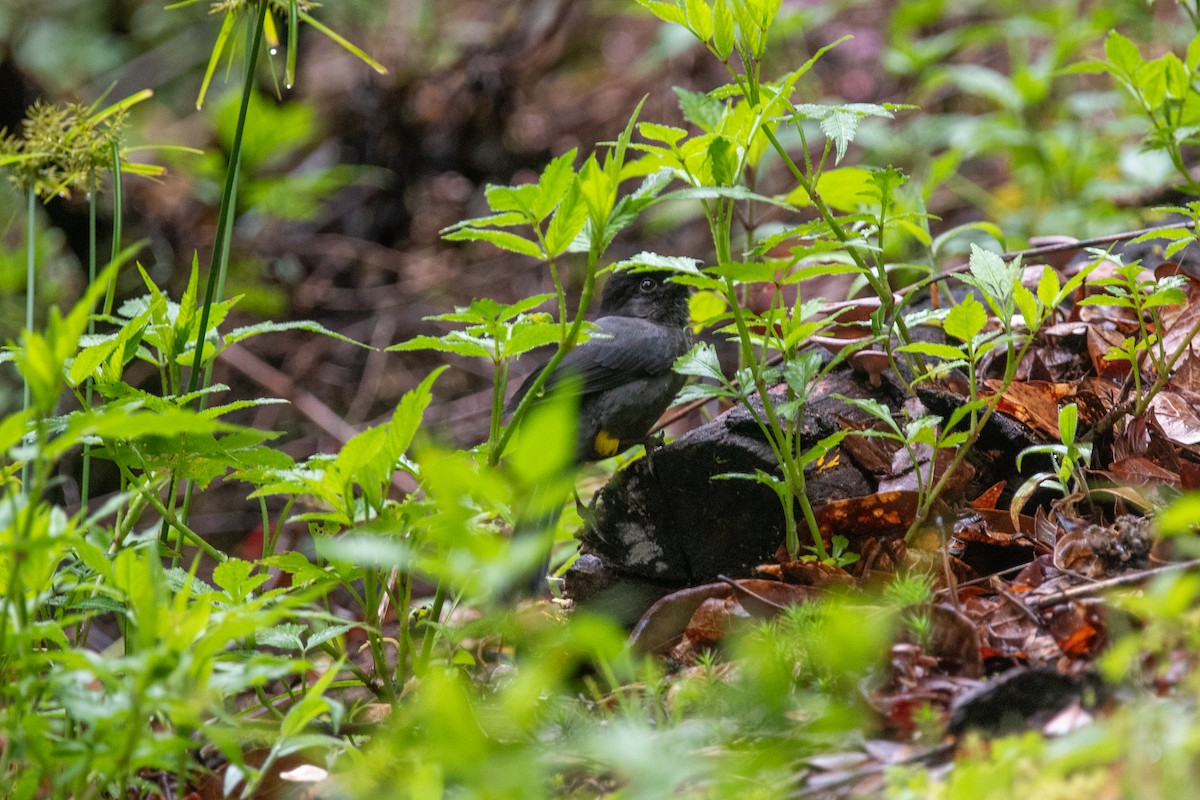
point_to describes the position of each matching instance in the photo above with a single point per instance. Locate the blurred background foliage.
(348, 178)
(346, 183)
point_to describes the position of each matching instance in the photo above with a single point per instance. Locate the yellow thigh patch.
(606, 445)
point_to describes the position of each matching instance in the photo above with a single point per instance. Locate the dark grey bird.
(625, 370)
(625, 378)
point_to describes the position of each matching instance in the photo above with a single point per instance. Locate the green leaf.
(699, 109)
(1122, 54)
(935, 349)
(502, 239)
(840, 122)
(723, 29)
(702, 362)
(1027, 304)
(1048, 288)
(409, 412)
(554, 183)
(667, 134)
(520, 199)
(966, 319)
(247, 331)
(722, 158)
(667, 12)
(567, 223)
(844, 189)
(699, 18)
(645, 260)
(1177, 79)
(1151, 81)
(454, 342)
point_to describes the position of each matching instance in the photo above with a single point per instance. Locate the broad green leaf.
(844, 189)
(1122, 54)
(723, 29)
(966, 319)
(1151, 82)
(699, 18)
(722, 159)
(1177, 79)
(699, 109)
(667, 134)
(554, 183)
(702, 362)
(520, 199)
(567, 223)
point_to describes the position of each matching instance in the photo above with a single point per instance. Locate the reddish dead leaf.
(873, 453)
(882, 515)
(1136, 469)
(1033, 403)
(1100, 341)
(764, 599)
(1178, 322)
(1189, 475)
(987, 500)
(1187, 373)
(804, 572)
(666, 620)
(1177, 417)
(711, 621)
(1077, 629)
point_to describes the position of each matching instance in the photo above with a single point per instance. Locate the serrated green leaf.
(699, 19)
(654, 261)
(1026, 304)
(935, 349)
(454, 342)
(520, 199)
(567, 223)
(556, 179)
(502, 239)
(1122, 54)
(700, 109)
(702, 362)
(966, 319)
(1048, 287)
(667, 12)
(723, 29)
(247, 331)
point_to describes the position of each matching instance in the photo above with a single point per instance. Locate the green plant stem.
(30, 287)
(85, 476)
(152, 498)
(375, 632)
(404, 645)
(880, 287)
(435, 616)
(110, 293)
(496, 448)
(220, 253)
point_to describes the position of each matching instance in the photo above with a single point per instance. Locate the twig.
(737, 587)
(1067, 595)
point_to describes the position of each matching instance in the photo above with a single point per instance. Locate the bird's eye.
(648, 285)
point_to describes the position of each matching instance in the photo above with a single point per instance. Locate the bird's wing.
(622, 350)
